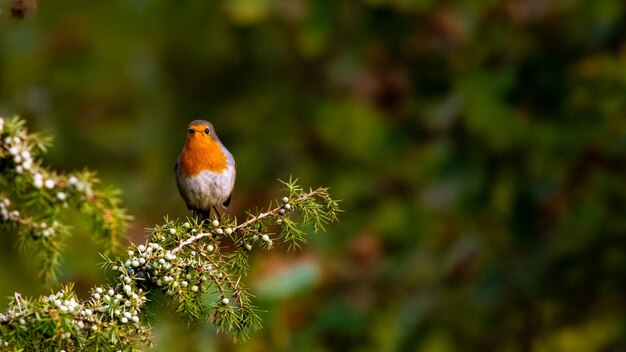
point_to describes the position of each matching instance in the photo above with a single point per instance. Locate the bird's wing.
(178, 174)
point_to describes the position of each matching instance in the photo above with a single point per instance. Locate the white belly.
(207, 189)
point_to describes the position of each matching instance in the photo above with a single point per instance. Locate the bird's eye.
(207, 131)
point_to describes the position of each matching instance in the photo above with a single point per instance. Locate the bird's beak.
(191, 130)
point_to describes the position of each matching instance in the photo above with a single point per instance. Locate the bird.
(205, 171)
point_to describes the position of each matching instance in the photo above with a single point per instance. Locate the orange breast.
(201, 153)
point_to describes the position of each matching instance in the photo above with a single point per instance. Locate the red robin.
(205, 171)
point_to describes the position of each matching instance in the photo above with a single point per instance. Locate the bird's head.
(201, 131)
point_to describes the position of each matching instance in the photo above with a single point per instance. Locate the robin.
(205, 171)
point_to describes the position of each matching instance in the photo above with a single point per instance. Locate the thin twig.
(18, 298)
(250, 221)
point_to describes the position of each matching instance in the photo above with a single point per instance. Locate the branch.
(244, 225)
(40, 196)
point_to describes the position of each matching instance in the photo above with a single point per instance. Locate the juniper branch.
(187, 261)
(40, 197)
(245, 225)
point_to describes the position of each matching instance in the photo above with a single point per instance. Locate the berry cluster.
(73, 324)
(5, 213)
(37, 229)
(122, 303)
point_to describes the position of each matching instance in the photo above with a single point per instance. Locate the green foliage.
(34, 198)
(315, 213)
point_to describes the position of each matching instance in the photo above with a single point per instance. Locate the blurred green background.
(479, 148)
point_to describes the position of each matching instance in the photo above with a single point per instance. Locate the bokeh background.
(478, 147)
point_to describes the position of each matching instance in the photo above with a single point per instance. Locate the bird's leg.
(197, 215)
(201, 215)
(217, 213)
(206, 215)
